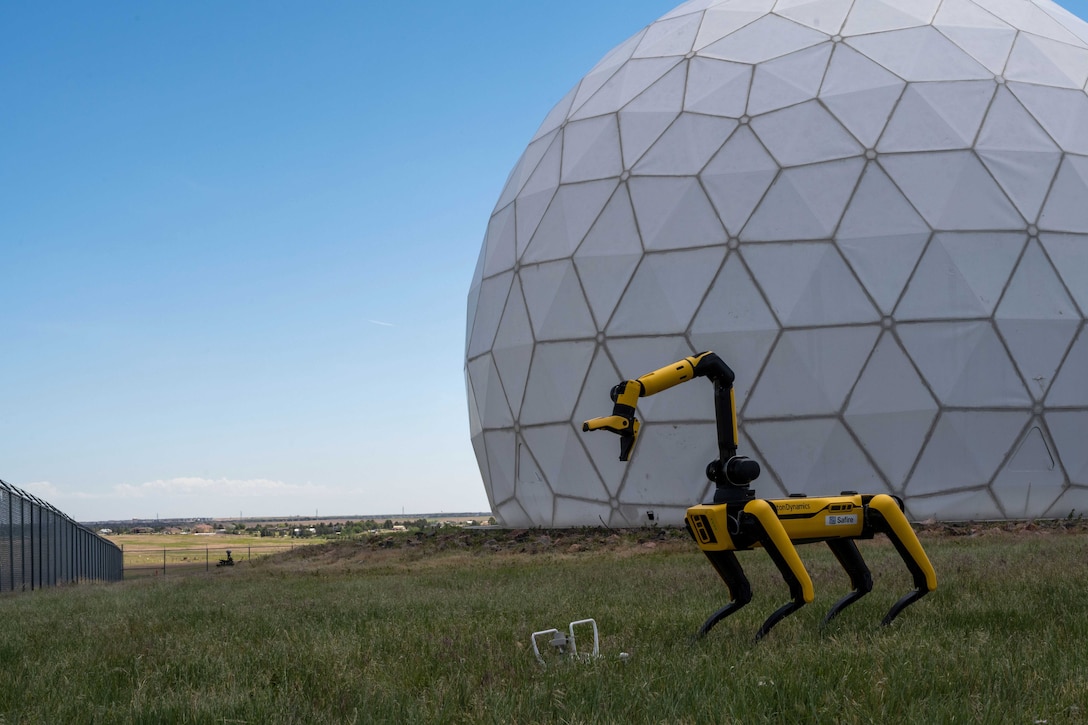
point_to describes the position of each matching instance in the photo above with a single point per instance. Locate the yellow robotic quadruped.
(737, 521)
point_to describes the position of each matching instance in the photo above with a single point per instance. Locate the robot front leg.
(757, 525)
(740, 591)
(887, 517)
(861, 579)
(773, 537)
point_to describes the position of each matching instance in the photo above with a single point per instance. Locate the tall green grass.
(346, 633)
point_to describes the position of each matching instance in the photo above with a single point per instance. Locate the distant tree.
(491, 521)
(388, 524)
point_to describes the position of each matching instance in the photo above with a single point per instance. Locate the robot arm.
(625, 398)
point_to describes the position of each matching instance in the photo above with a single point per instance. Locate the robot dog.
(738, 521)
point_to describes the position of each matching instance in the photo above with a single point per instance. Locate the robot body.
(738, 521)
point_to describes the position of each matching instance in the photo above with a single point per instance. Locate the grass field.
(437, 629)
(172, 554)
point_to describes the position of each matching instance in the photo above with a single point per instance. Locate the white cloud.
(49, 492)
(189, 496)
(186, 486)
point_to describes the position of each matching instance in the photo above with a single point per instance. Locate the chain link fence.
(156, 561)
(42, 547)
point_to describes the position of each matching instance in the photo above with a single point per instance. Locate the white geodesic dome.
(875, 211)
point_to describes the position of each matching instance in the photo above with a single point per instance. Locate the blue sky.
(237, 240)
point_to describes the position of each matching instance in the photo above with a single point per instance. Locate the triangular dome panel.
(1032, 480)
(554, 377)
(583, 512)
(936, 116)
(669, 37)
(816, 196)
(952, 190)
(804, 134)
(722, 19)
(735, 322)
(550, 125)
(718, 87)
(591, 149)
(525, 167)
(473, 301)
(768, 37)
(1047, 62)
(628, 82)
(1073, 501)
(645, 118)
(788, 80)
(810, 372)
(809, 284)
(512, 516)
(604, 70)
(823, 15)
(891, 421)
(920, 54)
(563, 461)
(557, 307)
(1065, 210)
(537, 194)
(961, 275)
(1018, 153)
(1062, 112)
(607, 258)
(1070, 387)
(975, 504)
(1069, 253)
(686, 147)
(985, 38)
(860, 92)
(1028, 17)
(501, 448)
(1070, 22)
(1067, 427)
(569, 216)
(881, 237)
(490, 398)
(965, 450)
(681, 449)
(533, 493)
(492, 299)
(965, 364)
(475, 427)
(691, 7)
(665, 292)
(513, 348)
(1037, 319)
(674, 213)
(738, 177)
(875, 16)
(814, 456)
(500, 242)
